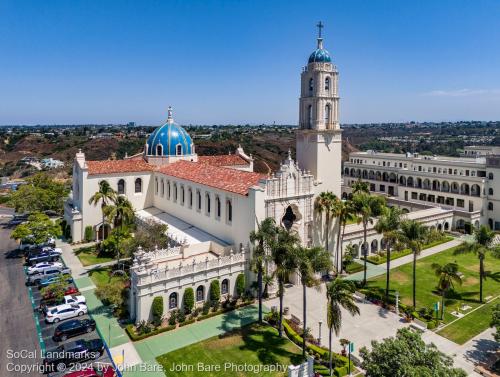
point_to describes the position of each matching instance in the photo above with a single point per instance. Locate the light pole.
(319, 335)
(397, 302)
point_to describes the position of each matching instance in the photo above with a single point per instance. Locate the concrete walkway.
(373, 270)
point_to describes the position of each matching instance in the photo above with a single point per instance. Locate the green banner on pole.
(351, 347)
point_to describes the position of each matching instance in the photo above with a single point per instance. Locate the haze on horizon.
(221, 62)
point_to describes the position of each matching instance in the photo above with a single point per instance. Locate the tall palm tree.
(121, 212)
(104, 195)
(324, 203)
(388, 225)
(366, 208)
(360, 186)
(482, 243)
(262, 239)
(283, 257)
(310, 261)
(339, 293)
(447, 274)
(413, 234)
(344, 213)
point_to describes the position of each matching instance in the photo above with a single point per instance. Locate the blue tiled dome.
(169, 136)
(320, 55)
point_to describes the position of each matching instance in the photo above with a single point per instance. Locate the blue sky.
(219, 62)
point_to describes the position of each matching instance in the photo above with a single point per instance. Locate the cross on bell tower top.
(320, 26)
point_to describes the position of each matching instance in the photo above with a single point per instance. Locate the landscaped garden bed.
(353, 267)
(89, 256)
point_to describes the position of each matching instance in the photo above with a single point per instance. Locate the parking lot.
(25, 327)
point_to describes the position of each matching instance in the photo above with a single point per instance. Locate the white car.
(42, 266)
(54, 250)
(74, 299)
(65, 311)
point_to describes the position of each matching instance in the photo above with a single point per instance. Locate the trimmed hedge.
(130, 329)
(187, 322)
(354, 267)
(240, 284)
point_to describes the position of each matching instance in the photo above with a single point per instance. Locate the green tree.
(366, 207)
(388, 225)
(148, 235)
(407, 355)
(116, 243)
(240, 284)
(110, 294)
(447, 274)
(495, 321)
(283, 257)
(188, 300)
(41, 193)
(310, 261)
(344, 211)
(105, 195)
(481, 246)
(157, 310)
(120, 213)
(413, 235)
(38, 229)
(262, 239)
(360, 187)
(325, 204)
(214, 291)
(56, 289)
(89, 233)
(339, 293)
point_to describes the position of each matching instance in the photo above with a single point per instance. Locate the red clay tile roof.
(227, 179)
(118, 166)
(223, 160)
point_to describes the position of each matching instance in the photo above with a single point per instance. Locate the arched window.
(490, 176)
(162, 187)
(198, 200)
(175, 192)
(168, 190)
(190, 194)
(207, 203)
(182, 195)
(200, 293)
(490, 206)
(172, 301)
(156, 186)
(159, 150)
(327, 84)
(309, 116)
(179, 150)
(224, 286)
(311, 84)
(217, 204)
(121, 187)
(229, 210)
(138, 185)
(490, 191)
(327, 114)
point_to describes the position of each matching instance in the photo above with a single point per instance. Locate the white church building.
(212, 203)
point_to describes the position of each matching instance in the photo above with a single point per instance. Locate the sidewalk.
(373, 270)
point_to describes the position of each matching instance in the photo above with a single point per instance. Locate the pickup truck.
(42, 257)
(36, 279)
(46, 303)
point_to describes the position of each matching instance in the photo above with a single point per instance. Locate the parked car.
(69, 291)
(28, 244)
(55, 250)
(96, 371)
(36, 279)
(61, 312)
(42, 266)
(71, 353)
(42, 257)
(46, 304)
(45, 282)
(73, 328)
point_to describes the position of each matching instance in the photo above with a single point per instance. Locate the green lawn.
(470, 325)
(101, 276)
(254, 346)
(467, 293)
(88, 256)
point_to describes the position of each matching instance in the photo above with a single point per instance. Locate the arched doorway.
(107, 230)
(289, 218)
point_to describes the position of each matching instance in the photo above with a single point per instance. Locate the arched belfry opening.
(289, 218)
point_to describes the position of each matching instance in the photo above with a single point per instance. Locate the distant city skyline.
(227, 62)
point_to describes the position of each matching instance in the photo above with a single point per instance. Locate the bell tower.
(319, 141)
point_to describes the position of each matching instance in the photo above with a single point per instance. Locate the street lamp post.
(319, 335)
(397, 302)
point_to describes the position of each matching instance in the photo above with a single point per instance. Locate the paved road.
(17, 327)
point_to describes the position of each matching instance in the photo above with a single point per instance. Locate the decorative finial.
(170, 119)
(289, 154)
(320, 39)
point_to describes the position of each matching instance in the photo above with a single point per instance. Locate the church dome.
(169, 139)
(320, 55)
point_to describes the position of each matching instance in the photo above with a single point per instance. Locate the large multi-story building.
(470, 186)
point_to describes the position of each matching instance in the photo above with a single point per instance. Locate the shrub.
(240, 284)
(157, 310)
(187, 322)
(182, 316)
(214, 291)
(130, 329)
(188, 300)
(206, 308)
(89, 233)
(172, 320)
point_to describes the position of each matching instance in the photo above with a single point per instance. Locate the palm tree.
(366, 208)
(447, 274)
(310, 261)
(324, 203)
(262, 239)
(388, 225)
(283, 257)
(344, 213)
(483, 241)
(339, 293)
(360, 186)
(412, 234)
(120, 212)
(104, 195)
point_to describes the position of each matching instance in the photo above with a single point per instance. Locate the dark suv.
(71, 353)
(72, 328)
(44, 256)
